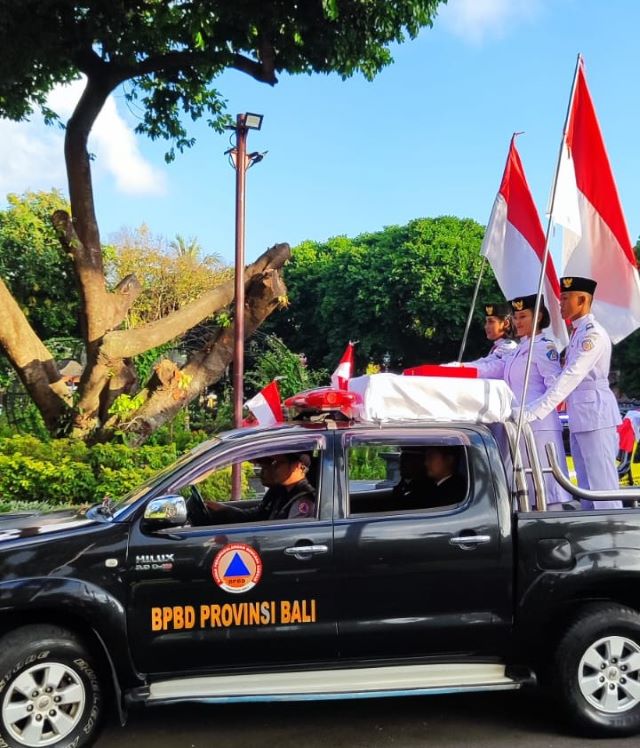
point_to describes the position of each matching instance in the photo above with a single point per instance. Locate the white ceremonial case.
(393, 397)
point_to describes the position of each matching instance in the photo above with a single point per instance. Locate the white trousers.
(594, 454)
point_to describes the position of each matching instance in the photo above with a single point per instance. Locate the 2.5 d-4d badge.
(237, 568)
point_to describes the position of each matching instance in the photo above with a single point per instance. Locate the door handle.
(300, 551)
(462, 540)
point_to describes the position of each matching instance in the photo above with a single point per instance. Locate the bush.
(217, 487)
(66, 472)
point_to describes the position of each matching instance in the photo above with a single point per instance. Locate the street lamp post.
(241, 162)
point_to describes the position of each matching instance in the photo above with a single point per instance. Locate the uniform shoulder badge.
(552, 354)
(587, 344)
(304, 508)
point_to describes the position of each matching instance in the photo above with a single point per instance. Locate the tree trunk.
(32, 361)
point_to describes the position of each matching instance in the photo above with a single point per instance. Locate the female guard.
(545, 367)
(498, 329)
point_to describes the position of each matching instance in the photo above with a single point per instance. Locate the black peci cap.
(526, 302)
(576, 283)
(501, 309)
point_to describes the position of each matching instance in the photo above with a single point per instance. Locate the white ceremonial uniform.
(500, 348)
(545, 368)
(591, 406)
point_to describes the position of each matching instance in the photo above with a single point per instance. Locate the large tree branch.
(174, 388)
(169, 62)
(128, 343)
(32, 361)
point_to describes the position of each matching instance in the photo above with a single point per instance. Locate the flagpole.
(473, 306)
(543, 266)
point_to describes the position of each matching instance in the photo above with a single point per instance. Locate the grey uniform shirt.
(584, 381)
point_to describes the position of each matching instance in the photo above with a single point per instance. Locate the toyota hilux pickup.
(140, 602)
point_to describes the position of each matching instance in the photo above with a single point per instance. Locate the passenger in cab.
(545, 368)
(443, 469)
(289, 494)
(414, 486)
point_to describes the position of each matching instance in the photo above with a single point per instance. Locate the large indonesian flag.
(596, 241)
(344, 370)
(514, 243)
(266, 405)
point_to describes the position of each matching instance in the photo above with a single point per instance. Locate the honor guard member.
(545, 368)
(497, 328)
(584, 384)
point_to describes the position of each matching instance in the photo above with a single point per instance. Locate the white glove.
(527, 415)
(453, 363)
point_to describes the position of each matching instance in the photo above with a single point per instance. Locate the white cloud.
(476, 20)
(31, 157)
(32, 153)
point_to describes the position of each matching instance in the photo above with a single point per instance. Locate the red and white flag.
(266, 405)
(344, 371)
(596, 242)
(514, 243)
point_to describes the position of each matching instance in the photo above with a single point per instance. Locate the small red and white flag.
(344, 371)
(596, 242)
(266, 405)
(514, 243)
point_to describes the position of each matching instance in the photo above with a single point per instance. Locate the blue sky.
(428, 137)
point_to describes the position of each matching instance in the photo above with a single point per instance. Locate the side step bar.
(403, 680)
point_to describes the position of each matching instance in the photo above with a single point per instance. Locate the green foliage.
(33, 265)
(223, 420)
(179, 434)
(171, 274)
(145, 362)
(365, 463)
(405, 289)
(64, 472)
(267, 358)
(125, 404)
(273, 359)
(217, 487)
(171, 52)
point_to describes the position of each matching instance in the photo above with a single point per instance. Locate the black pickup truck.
(368, 596)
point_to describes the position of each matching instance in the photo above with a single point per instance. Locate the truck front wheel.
(50, 694)
(597, 669)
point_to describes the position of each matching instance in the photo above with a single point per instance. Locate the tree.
(171, 274)
(169, 54)
(406, 290)
(38, 274)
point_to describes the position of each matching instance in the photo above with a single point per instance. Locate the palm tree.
(186, 247)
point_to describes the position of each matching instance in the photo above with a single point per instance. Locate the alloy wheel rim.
(44, 704)
(609, 674)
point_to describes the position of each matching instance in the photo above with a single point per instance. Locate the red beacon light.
(325, 400)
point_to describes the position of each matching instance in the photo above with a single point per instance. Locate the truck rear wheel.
(597, 671)
(50, 694)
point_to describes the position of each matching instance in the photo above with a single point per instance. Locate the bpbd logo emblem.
(237, 568)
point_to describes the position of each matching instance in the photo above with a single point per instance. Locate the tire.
(597, 671)
(50, 693)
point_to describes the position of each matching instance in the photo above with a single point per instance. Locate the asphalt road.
(472, 721)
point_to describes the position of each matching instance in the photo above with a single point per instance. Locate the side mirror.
(165, 511)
